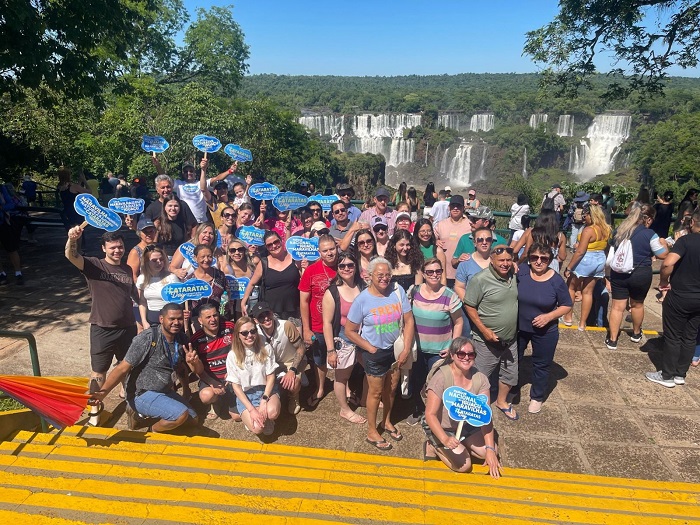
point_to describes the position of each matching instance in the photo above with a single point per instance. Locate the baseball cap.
(259, 308)
(318, 226)
(343, 188)
(381, 192)
(482, 212)
(187, 165)
(457, 199)
(556, 185)
(144, 222)
(221, 184)
(448, 188)
(379, 221)
(403, 215)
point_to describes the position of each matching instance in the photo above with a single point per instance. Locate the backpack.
(547, 203)
(621, 259)
(578, 215)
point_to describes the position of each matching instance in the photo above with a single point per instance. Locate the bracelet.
(488, 447)
(230, 171)
(293, 369)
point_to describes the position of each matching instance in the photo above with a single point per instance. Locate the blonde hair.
(598, 218)
(146, 269)
(237, 347)
(636, 216)
(198, 231)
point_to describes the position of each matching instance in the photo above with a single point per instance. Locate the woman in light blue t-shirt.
(374, 323)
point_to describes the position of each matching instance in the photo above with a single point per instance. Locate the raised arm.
(71, 252)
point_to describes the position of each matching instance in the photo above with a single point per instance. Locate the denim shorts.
(592, 264)
(168, 406)
(226, 402)
(254, 395)
(379, 363)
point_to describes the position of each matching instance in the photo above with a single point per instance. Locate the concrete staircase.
(96, 475)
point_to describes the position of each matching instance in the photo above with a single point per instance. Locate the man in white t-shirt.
(441, 209)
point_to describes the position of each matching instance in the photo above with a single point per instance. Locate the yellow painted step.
(8, 516)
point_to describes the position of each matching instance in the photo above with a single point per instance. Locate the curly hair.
(415, 256)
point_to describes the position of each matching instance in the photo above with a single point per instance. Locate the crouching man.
(151, 366)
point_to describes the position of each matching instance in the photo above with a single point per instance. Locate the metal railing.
(33, 355)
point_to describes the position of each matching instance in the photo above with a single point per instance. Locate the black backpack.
(548, 203)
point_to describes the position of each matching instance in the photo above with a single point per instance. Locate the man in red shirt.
(212, 343)
(314, 283)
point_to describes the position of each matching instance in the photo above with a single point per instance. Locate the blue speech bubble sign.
(187, 251)
(95, 215)
(288, 200)
(238, 153)
(126, 205)
(206, 144)
(302, 248)
(251, 235)
(154, 144)
(326, 201)
(191, 290)
(462, 405)
(263, 191)
(237, 286)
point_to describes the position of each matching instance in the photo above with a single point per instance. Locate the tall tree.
(644, 37)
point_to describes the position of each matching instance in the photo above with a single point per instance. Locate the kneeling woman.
(458, 370)
(250, 370)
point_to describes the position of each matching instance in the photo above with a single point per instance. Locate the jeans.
(681, 321)
(543, 348)
(419, 373)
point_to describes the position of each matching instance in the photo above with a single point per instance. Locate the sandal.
(313, 401)
(355, 418)
(395, 434)
(212, 415)
(509, 412)
(382, 444)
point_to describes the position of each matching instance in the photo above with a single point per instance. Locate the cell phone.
(394, 366)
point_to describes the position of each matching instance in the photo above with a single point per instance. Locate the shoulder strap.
(447, 376)
(333, 289)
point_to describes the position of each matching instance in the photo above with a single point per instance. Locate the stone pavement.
(602, 417)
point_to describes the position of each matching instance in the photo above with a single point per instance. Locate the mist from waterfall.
(598, 150)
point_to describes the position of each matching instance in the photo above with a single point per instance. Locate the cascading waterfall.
(332, 125)
(461, 164)
(599, 148)
(383, 135)
(537, 119)
(482, 122)
(450, 121)
(565, 126)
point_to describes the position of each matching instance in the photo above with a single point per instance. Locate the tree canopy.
(644, 38)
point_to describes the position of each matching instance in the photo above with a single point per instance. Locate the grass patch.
(7, 404)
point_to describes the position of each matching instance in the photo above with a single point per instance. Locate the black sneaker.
(635, 338)
(19, 280)
(612, 345)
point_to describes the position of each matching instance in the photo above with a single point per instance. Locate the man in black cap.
(346, 193)
(554, 200)
(380, 209)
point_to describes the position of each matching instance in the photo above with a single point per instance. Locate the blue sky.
(390, 37)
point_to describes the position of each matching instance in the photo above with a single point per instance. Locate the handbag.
(399, 343)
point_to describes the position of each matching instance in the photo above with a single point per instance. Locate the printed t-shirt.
(433, 320)
(254, 372)
(153, 362)
(315, 281)
(192, 194)
(213, 351)
(379, 317)
(496, 301)
(112, 290)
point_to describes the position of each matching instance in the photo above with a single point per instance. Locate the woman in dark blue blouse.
(543, 297)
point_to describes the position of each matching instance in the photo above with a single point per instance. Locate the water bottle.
(224, 302)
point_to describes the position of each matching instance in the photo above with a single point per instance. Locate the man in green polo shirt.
(481, 217)
(491, 301)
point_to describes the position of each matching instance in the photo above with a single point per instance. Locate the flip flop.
(212, 415)
(313, 401)
(382, 444)
(395, 434)
(508, 412)
(355, 418)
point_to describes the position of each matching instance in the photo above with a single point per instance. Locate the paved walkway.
(602, 417)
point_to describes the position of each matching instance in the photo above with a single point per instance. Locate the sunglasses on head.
(536, 258)
(461, 354)
(346, 266)
(433, 272)
(236, 250)
(500, 249)
(246, 333)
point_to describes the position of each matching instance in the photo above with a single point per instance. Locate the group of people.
(416, 305)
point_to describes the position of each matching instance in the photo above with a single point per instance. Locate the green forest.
(94, 122)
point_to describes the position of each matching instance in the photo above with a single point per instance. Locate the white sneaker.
(293, 406)
(656, 377)
(679, 380)
(534, 407)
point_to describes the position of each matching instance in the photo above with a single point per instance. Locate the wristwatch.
(265, 397)
(293, 369)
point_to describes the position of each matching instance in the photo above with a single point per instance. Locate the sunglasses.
(315, 210)
(228, 215)
(345, 194)
(536, 258)
(433, 272)
(461, 354)
(365, 243)
(472, 194)
(380, 229)
(322, 231)
(274, 244)
(265, 316)
(456, 207)
(346, 266)
(338, 211)
(248, 333)
(236, 250)
(484, 239)
(500, 249)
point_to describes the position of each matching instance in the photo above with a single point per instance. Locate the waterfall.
(525, 163)
(565, 126)
(449, 121)
(598, 149)
(481, 122)
(332, 125)
(383, 135)
(461, 165)
(443, 164)
(482, 164)
(537, 119)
